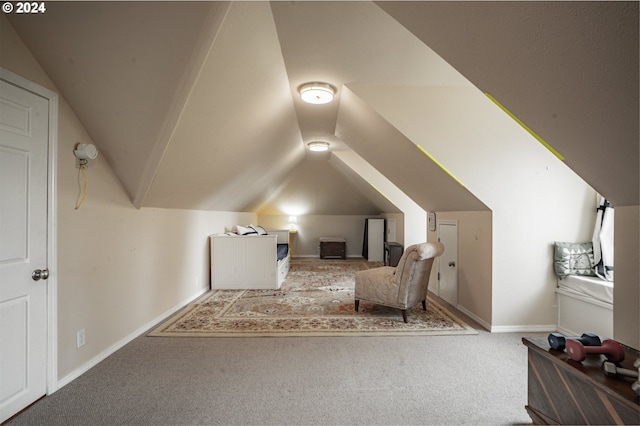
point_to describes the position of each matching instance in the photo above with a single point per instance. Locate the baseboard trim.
(473, 316)
(541, 328)
(508, 328)
(317, 256)
(127, 339)
(567, 332)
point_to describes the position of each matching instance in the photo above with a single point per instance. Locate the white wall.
(399, 222)
(306, 243)
(535, 198)
(474, 263)
(119, 269)
(415, 224)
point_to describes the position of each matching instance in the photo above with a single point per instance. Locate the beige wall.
(534, 197)
(474, 263)
(312, 227)
(414, 228)
(119, 269)
(626, 291)
(400, 224)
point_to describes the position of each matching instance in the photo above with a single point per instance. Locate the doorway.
(28, 133)
(448, 262)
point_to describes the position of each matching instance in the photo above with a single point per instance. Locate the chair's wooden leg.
(424, 305)
(404, 315)
(357, 304)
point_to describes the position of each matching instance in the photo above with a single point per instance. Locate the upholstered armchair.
(401, 287)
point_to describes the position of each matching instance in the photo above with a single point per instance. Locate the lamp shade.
(86, 151)
(317, 93)
(293, 223)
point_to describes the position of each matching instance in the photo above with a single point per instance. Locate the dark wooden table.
(563, 391)
(392, 253)
(333, 247)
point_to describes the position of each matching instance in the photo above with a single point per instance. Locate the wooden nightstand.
(333, 247)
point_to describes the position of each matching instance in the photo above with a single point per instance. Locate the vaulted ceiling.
(195, 104)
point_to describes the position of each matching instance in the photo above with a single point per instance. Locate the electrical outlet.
(80, 339)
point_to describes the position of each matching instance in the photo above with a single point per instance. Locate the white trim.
(584, 298)
(473, 316)
(508, 328)
(52, 258)
(542, 328)
(577, 313)
(317, 256)
(566, 331)
(446, 222)
(127, 339)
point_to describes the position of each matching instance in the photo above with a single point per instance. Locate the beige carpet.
(315, 299)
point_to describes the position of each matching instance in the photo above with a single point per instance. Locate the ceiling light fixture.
(318, 146)
(317, 93)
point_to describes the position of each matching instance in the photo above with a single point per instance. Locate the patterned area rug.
(316, 298)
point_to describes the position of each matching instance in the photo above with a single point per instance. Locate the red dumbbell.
(610, 348)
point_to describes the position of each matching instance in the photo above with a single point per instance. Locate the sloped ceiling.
(238, 133)
(345, 42)
(569, 70)
(392, 154)
(317, 186)
(119, 65)
(195, 104)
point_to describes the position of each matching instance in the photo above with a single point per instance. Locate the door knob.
(40, 274)
(452, 263)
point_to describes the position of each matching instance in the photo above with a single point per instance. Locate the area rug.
(316, 299)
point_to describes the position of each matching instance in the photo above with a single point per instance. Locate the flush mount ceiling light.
(317, 93)
(318, 146)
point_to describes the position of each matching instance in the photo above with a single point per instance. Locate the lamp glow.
(317, 93)
(293, 223)
(318, 146)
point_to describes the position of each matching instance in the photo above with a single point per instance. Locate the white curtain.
(603, 240)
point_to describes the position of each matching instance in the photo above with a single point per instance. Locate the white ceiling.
(195, 104)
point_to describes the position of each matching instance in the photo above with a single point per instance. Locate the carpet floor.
(316, 298)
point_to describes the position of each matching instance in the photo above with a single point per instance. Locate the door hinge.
(438, 276)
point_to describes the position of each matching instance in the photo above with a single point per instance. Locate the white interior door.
(448, 262)
(24, 130)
